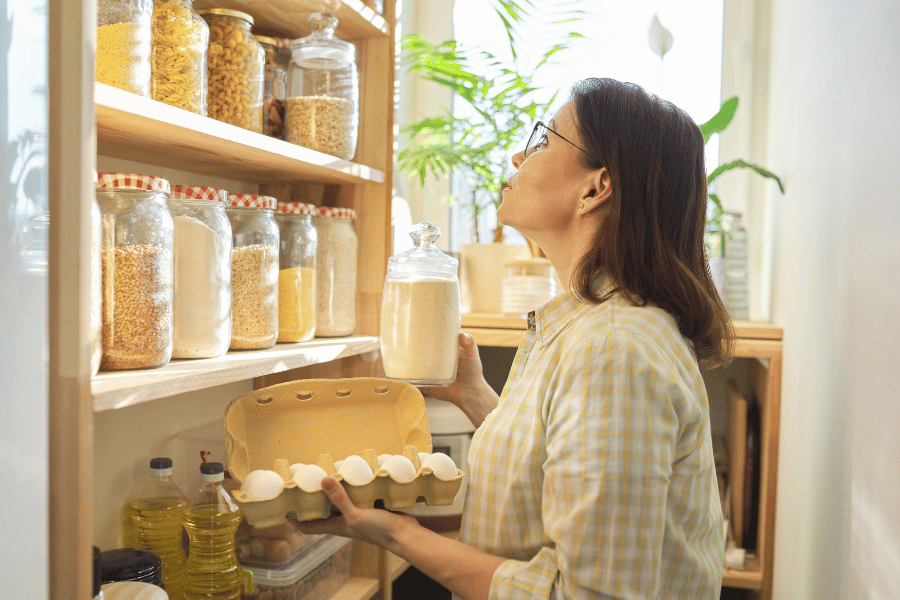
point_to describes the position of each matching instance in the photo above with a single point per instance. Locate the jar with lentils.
(297, 274)
(254, 271)
(235, 72)
(275, 88)
(201, 306)
(336, 267)
(124, 31)
(136, 264)
(178, 55)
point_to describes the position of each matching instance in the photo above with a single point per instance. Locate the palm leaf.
(721, 119)
(742, 164)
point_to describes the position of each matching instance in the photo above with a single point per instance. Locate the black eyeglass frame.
(531, 139)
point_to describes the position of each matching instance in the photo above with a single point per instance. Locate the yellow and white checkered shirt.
(594, 475)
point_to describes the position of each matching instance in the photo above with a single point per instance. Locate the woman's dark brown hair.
(651, 239)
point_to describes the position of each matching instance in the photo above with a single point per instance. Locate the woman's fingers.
(338, 496)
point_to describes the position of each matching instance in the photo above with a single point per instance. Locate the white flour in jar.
(419, 328)
(202, 298)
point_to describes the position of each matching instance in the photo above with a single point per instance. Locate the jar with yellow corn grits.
(124, 32)
(297, 274)
(201, 302)
(235, 69)
(178, 55)
(137, 274)
(254, 271)
(278, 56)
(336, 270)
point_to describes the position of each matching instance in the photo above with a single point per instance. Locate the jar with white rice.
(336, 267)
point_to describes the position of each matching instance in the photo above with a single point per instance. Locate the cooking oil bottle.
(211, 521)
(158, 516)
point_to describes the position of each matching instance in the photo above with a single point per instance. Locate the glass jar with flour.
(420, 319)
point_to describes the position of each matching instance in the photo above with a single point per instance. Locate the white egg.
(355, 470)
(337, 465)
(309, 477)
(442, 465)
(382, 458)
(400, 468)
(296, 467)
(423, 456)
(262, 485)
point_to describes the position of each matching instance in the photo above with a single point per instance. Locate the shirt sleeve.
(611, 433)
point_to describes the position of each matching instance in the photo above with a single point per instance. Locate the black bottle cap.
(129, 564)
(98, 580)
(161, 463)
(212, 468)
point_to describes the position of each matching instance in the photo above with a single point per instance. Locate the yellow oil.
(212, 571)
(158, 523)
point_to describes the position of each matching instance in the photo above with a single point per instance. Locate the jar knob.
(424, 234)
(322, 22)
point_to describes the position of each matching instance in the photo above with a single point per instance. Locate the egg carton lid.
(301, 566)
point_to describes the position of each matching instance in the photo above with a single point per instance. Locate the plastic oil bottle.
(211, 521)
(158, 516)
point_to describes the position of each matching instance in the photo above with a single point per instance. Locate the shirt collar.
(552, 317)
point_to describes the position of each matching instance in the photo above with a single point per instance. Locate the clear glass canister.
(322, 108)
(336, 266)
(297, 272)
(124, 31)
(420, 320)
(178, 56)
(254, 271)
(527, 284)
(96, 288)
(235, 72)
(136, 259)
(275, 88)
(201, 306)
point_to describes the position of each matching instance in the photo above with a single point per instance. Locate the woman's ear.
(597, 190)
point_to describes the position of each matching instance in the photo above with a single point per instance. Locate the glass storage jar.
(96, 288)
(297, 272)
(420, 320)
(336, 266)
(322, 107)
(201, 305)
(254, 271)
(275, 87)
(123, 44)
(178, 55)
(136, 260)
(527, 284)
(234, 69)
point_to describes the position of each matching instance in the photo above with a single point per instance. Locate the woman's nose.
(517, 158)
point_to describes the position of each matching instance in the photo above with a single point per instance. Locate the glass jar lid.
(198, 192)
(133, 181)
(335, 212)
(321, 49)
(423, 259)
(294, 208)
(226, 12)
(252, 201)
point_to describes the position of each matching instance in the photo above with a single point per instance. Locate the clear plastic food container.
(336, 269)
(136, 258)
(178, 55)
(297, 272)
(124, 31)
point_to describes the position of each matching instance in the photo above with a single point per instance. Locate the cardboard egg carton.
(315, 421)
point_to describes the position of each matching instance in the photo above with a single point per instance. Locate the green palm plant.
(501, 94)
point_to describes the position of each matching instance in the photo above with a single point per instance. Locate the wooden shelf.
(118, 389)
(137, 128)
(746, 580)
(290, 18)
(357, 588)
(396, 566)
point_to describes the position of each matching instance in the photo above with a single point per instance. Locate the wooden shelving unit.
(761, 345)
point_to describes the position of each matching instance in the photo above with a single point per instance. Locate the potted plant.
(503, 103)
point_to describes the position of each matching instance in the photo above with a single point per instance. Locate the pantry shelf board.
(357, 588)
(290, 18)
(118, 389)
(746, 580)
(396, 566)
(144, 130)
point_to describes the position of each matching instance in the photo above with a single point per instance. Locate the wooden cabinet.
(756, 374)
(89, 119)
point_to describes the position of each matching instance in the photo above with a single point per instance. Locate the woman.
(593, 475)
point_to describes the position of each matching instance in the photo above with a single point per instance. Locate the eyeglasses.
(538, 137)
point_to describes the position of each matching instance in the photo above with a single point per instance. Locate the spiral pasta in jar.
(235, 69)
(178, 55)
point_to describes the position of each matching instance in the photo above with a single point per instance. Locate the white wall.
(834, 134)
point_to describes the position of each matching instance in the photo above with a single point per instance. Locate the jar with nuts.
(235, 69)
(254, 271)
(322, 108)
(137, 271)
(178, 57)
(277, 59)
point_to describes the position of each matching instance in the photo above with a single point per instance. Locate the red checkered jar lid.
(252, 201)
(198, 192)
(335, 213)
(131, 181)
(294, 208)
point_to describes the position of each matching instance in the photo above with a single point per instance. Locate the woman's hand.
(373, 525)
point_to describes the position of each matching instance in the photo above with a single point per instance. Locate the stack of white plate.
(524, 293)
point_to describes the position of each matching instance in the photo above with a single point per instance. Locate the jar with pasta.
(235, 70)
(254, 271)
(136, 260)
(178, 57)
(123, 44)
(201, 306)
(322, 108)
(275, 88)
(297, 274)
(336, 267)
